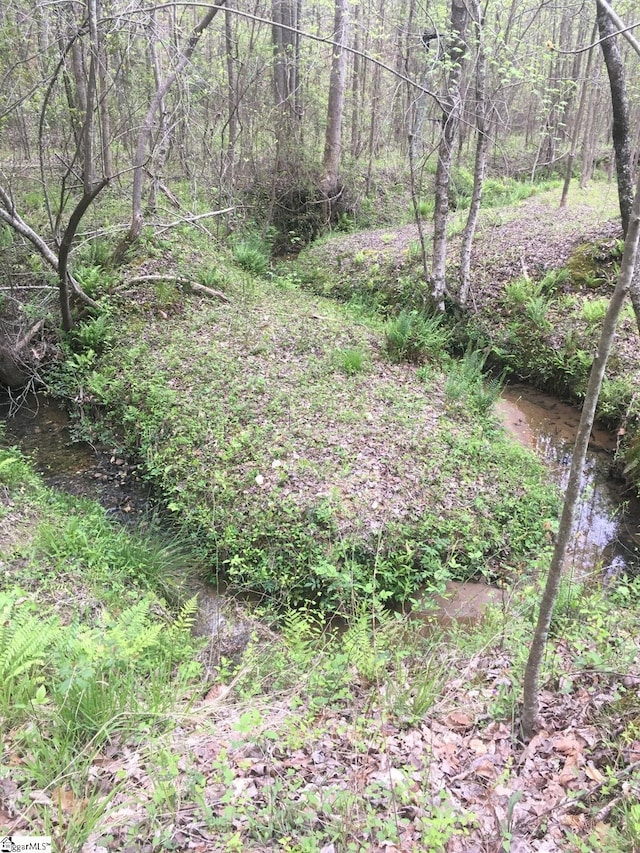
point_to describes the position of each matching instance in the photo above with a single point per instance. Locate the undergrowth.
(255, 444)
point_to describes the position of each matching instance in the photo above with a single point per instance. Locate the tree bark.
(608, 23)
(482, 147)
(450, 103)
(329, 183)
(577, 127)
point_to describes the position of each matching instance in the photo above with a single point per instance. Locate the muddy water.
(607, 537)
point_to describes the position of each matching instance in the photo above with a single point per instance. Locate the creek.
(607, 535)
(606, 540)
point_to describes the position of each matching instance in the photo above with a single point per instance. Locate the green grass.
(90, 653)
(350, 360)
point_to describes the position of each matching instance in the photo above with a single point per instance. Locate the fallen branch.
(194, 286)
(28, 336)
(190, 219)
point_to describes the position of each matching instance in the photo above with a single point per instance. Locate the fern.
(24, 643)
(178, 638)
(301, 633)
(365, 644)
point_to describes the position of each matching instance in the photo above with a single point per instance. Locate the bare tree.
(577, 126)
(147, 125)
(621, 130)
(482, 148)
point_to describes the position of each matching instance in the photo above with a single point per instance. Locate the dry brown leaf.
(568, 744)
(569, 772)
(484, 767)
(65, 800)
(593, 773)
(478, 746)
(459, 720)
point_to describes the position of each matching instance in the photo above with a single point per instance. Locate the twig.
(28, 336)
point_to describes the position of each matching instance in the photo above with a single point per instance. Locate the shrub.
(253, 255)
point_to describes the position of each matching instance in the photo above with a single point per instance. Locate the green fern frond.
(24, 639)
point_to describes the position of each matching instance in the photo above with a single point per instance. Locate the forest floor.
(386, 732)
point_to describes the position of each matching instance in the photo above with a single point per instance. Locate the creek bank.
(541, 278)
(40, 427)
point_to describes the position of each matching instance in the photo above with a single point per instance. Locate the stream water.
(42, 429)
(607, 537)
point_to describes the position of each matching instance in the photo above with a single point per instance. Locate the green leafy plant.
(466, 383)
(253, 255)
(536, 308)
(94, 334)
(518, 292)
(551, 281)
(350, 360)
(25, 642)
(594, 310)
(413, 337)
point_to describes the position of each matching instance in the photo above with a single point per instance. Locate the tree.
(620, 105)
(622, 289)
(616, 303)
(329, 183)
(147, 126)
(450, 104)
(482, 149)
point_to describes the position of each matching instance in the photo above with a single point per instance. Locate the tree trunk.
(229, 152)
(482, 147)
(450, 104)
(608, 23)
(355, 85)
(285, 71)
(329, 184)
(620, 104)
(577, 127)
(536, 652)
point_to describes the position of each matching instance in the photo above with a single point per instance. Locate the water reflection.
(607, 528)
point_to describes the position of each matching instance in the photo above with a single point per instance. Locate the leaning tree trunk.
(609, 23)
(536, 652)
(147, 127)
(620, 104)
(450, 104)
